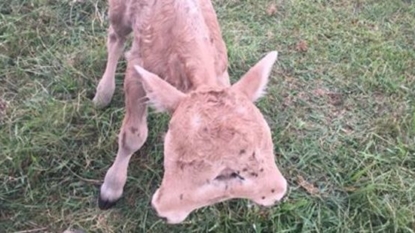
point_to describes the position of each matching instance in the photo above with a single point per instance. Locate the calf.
(218, 145)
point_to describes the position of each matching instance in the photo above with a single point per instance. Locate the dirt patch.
(302, 46)
(271, 9)
(310, 188)
(334, 98)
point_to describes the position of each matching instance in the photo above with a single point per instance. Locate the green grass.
(342, 115)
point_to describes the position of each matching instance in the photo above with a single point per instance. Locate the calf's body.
(218, 145)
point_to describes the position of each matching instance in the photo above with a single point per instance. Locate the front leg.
(133, 135)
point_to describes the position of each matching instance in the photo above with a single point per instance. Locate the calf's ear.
(254, 82)
(161, 95)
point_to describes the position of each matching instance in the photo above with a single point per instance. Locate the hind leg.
(115, 44)
(132, 136)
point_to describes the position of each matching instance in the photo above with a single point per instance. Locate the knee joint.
(132, 138)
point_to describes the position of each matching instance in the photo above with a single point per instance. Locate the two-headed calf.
(218, 145)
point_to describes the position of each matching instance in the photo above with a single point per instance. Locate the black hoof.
(90, 95)
(104, 204)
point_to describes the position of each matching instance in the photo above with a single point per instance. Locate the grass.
(341, 105)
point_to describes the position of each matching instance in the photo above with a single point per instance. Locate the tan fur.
(218, 145)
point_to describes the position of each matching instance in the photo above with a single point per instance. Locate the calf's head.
(218, 145)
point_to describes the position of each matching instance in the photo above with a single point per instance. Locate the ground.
(341, 106)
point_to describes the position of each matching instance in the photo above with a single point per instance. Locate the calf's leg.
(132, 136)
(106, 86)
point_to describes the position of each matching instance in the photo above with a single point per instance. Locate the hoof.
(101, 102)
(105, 204)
